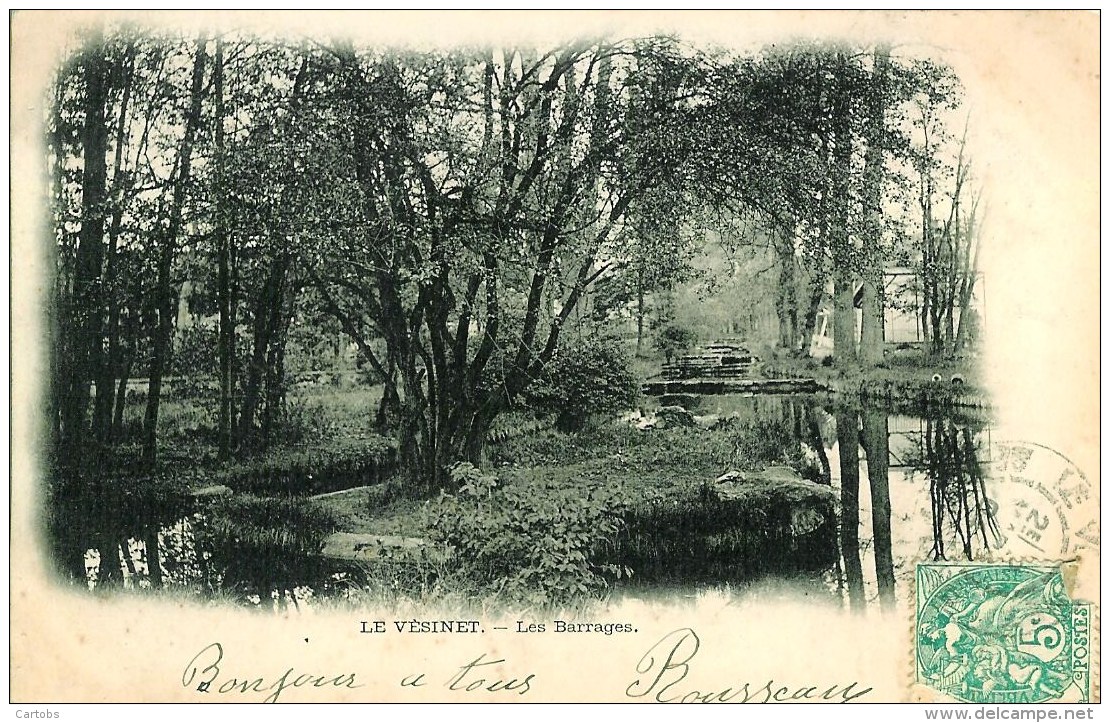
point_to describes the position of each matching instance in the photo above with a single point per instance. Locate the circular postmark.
(995, 633)
(1040, 502)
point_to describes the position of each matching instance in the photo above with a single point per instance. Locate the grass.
(908, 367)
(673, 530)
(362, 511)
(661, 473)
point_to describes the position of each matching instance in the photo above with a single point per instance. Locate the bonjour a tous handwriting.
(663, 674)
(205, 674)
(662, 677)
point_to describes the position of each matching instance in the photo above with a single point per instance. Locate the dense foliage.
(674, 339)
(539, 541)
(589, 375)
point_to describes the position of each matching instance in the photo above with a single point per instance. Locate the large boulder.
(798, 505)
(675, 416)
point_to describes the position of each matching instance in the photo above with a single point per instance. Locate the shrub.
(587, 376)
(673, 340)
(689, 535)
(301, 421)
(271, 526)
(195, 351)
(533, 541)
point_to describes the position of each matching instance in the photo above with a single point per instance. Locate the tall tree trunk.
(275, 362)
(786, 302)
(87, 297)
(871, 323)
(639, 312)
(105, 387)
(59, 316)
(809, 317)
(950, 289)
(843, 253)
(844, 319)
(226, 340)
(969, 270)
(164, 291)
(130, 322)
(121, 399)
(232, 348)
(110, 572)
(267, 318)
(252, 385)
(153, 557)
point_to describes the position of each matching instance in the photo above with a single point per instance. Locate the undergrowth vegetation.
(536, 540)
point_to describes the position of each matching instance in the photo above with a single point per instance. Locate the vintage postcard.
(555, 357)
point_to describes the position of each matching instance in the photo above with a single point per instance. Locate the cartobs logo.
(19, 713)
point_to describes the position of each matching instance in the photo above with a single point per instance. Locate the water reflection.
(919, 470)
(875, 436)
(246, 550)
(957, 489)
(879, 492)
(847, 439)
(910, 488)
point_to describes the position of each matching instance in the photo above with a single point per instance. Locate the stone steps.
(731, 386)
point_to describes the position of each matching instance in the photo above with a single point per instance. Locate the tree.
(589, 375)
(673, 339)
(477, 187)
(791, 166)
(83, 314)
(167, 245)
(819, 140)
(268, 211)
(949, 209)
(226, 343)
(871, 323)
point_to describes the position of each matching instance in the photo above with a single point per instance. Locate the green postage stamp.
(1001, 634)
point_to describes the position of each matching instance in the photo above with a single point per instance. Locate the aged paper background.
(1032, 82)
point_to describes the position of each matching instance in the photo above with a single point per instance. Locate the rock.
(804, 520)
(686, 401)
(802, 505)
(769, 475)
(675, 416)
(639, 420)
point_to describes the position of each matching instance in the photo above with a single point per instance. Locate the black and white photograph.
(459, 344)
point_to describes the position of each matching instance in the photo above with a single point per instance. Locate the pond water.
(908, 487)
(904, 488)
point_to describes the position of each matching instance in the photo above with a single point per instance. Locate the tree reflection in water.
(945, 455)
(958, 494)
(874, 435)
(847, 434)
